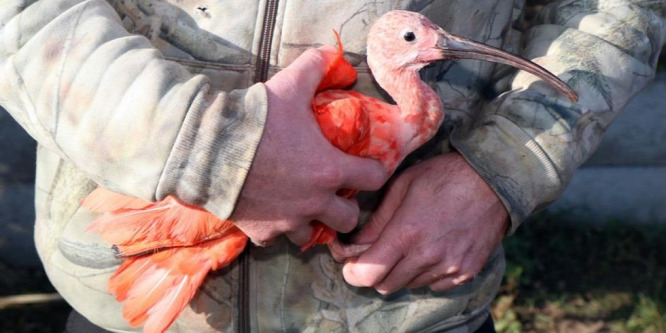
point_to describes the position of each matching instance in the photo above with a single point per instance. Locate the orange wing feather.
(102, 200)
(341, 119)
(157, 287)
(137, 227)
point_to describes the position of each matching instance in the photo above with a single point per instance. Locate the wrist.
(483, 193)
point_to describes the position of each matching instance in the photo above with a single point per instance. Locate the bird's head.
(402, 40)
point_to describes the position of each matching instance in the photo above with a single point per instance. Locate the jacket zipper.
(261, 75)
(263, 61)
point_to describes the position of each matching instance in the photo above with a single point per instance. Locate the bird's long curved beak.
(455, 47)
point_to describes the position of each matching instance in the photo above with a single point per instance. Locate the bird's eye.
(409, 36)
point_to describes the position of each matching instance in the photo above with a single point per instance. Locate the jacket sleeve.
(528, 142)
(109, 102)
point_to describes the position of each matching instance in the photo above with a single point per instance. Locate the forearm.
(528, 142)
(106, 100)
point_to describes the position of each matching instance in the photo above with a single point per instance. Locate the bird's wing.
(137, 226)
(155, 288)
(343, 119)
(340, 73)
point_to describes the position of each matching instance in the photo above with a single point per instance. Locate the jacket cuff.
(215, 149)
(512, 163)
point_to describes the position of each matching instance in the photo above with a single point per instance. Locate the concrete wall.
(625, 179)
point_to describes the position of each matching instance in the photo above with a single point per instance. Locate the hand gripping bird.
(169, 247)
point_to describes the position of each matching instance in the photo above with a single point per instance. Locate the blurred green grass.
(567, 278)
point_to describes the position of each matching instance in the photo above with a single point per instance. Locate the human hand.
(296, 171)
(437, 225)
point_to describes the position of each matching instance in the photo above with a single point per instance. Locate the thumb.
(391, 203)
(360, 173)
(309, 69)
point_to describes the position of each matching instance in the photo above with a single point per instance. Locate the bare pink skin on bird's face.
(401, 53)
(410, 41)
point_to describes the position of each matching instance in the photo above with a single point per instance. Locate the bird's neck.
(418, 104)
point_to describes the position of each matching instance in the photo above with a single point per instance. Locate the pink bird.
(169, 247)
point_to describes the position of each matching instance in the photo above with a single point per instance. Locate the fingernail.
(348, 268)
(384, 292)
(452, 270)
(461, 280)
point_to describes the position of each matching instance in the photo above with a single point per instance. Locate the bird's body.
(169, 247)
(365, 126)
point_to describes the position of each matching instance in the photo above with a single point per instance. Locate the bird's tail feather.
(136, 226)
(102, 200)
(169, 247)
(155, 288)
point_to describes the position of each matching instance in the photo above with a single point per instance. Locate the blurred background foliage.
(562, 277)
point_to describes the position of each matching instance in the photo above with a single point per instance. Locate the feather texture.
(102, 200)
(339, 72)
(139, 228)
(156, 287)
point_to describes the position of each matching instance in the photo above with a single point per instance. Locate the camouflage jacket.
(159, 97)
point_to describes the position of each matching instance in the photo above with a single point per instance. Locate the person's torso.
(237, 43)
